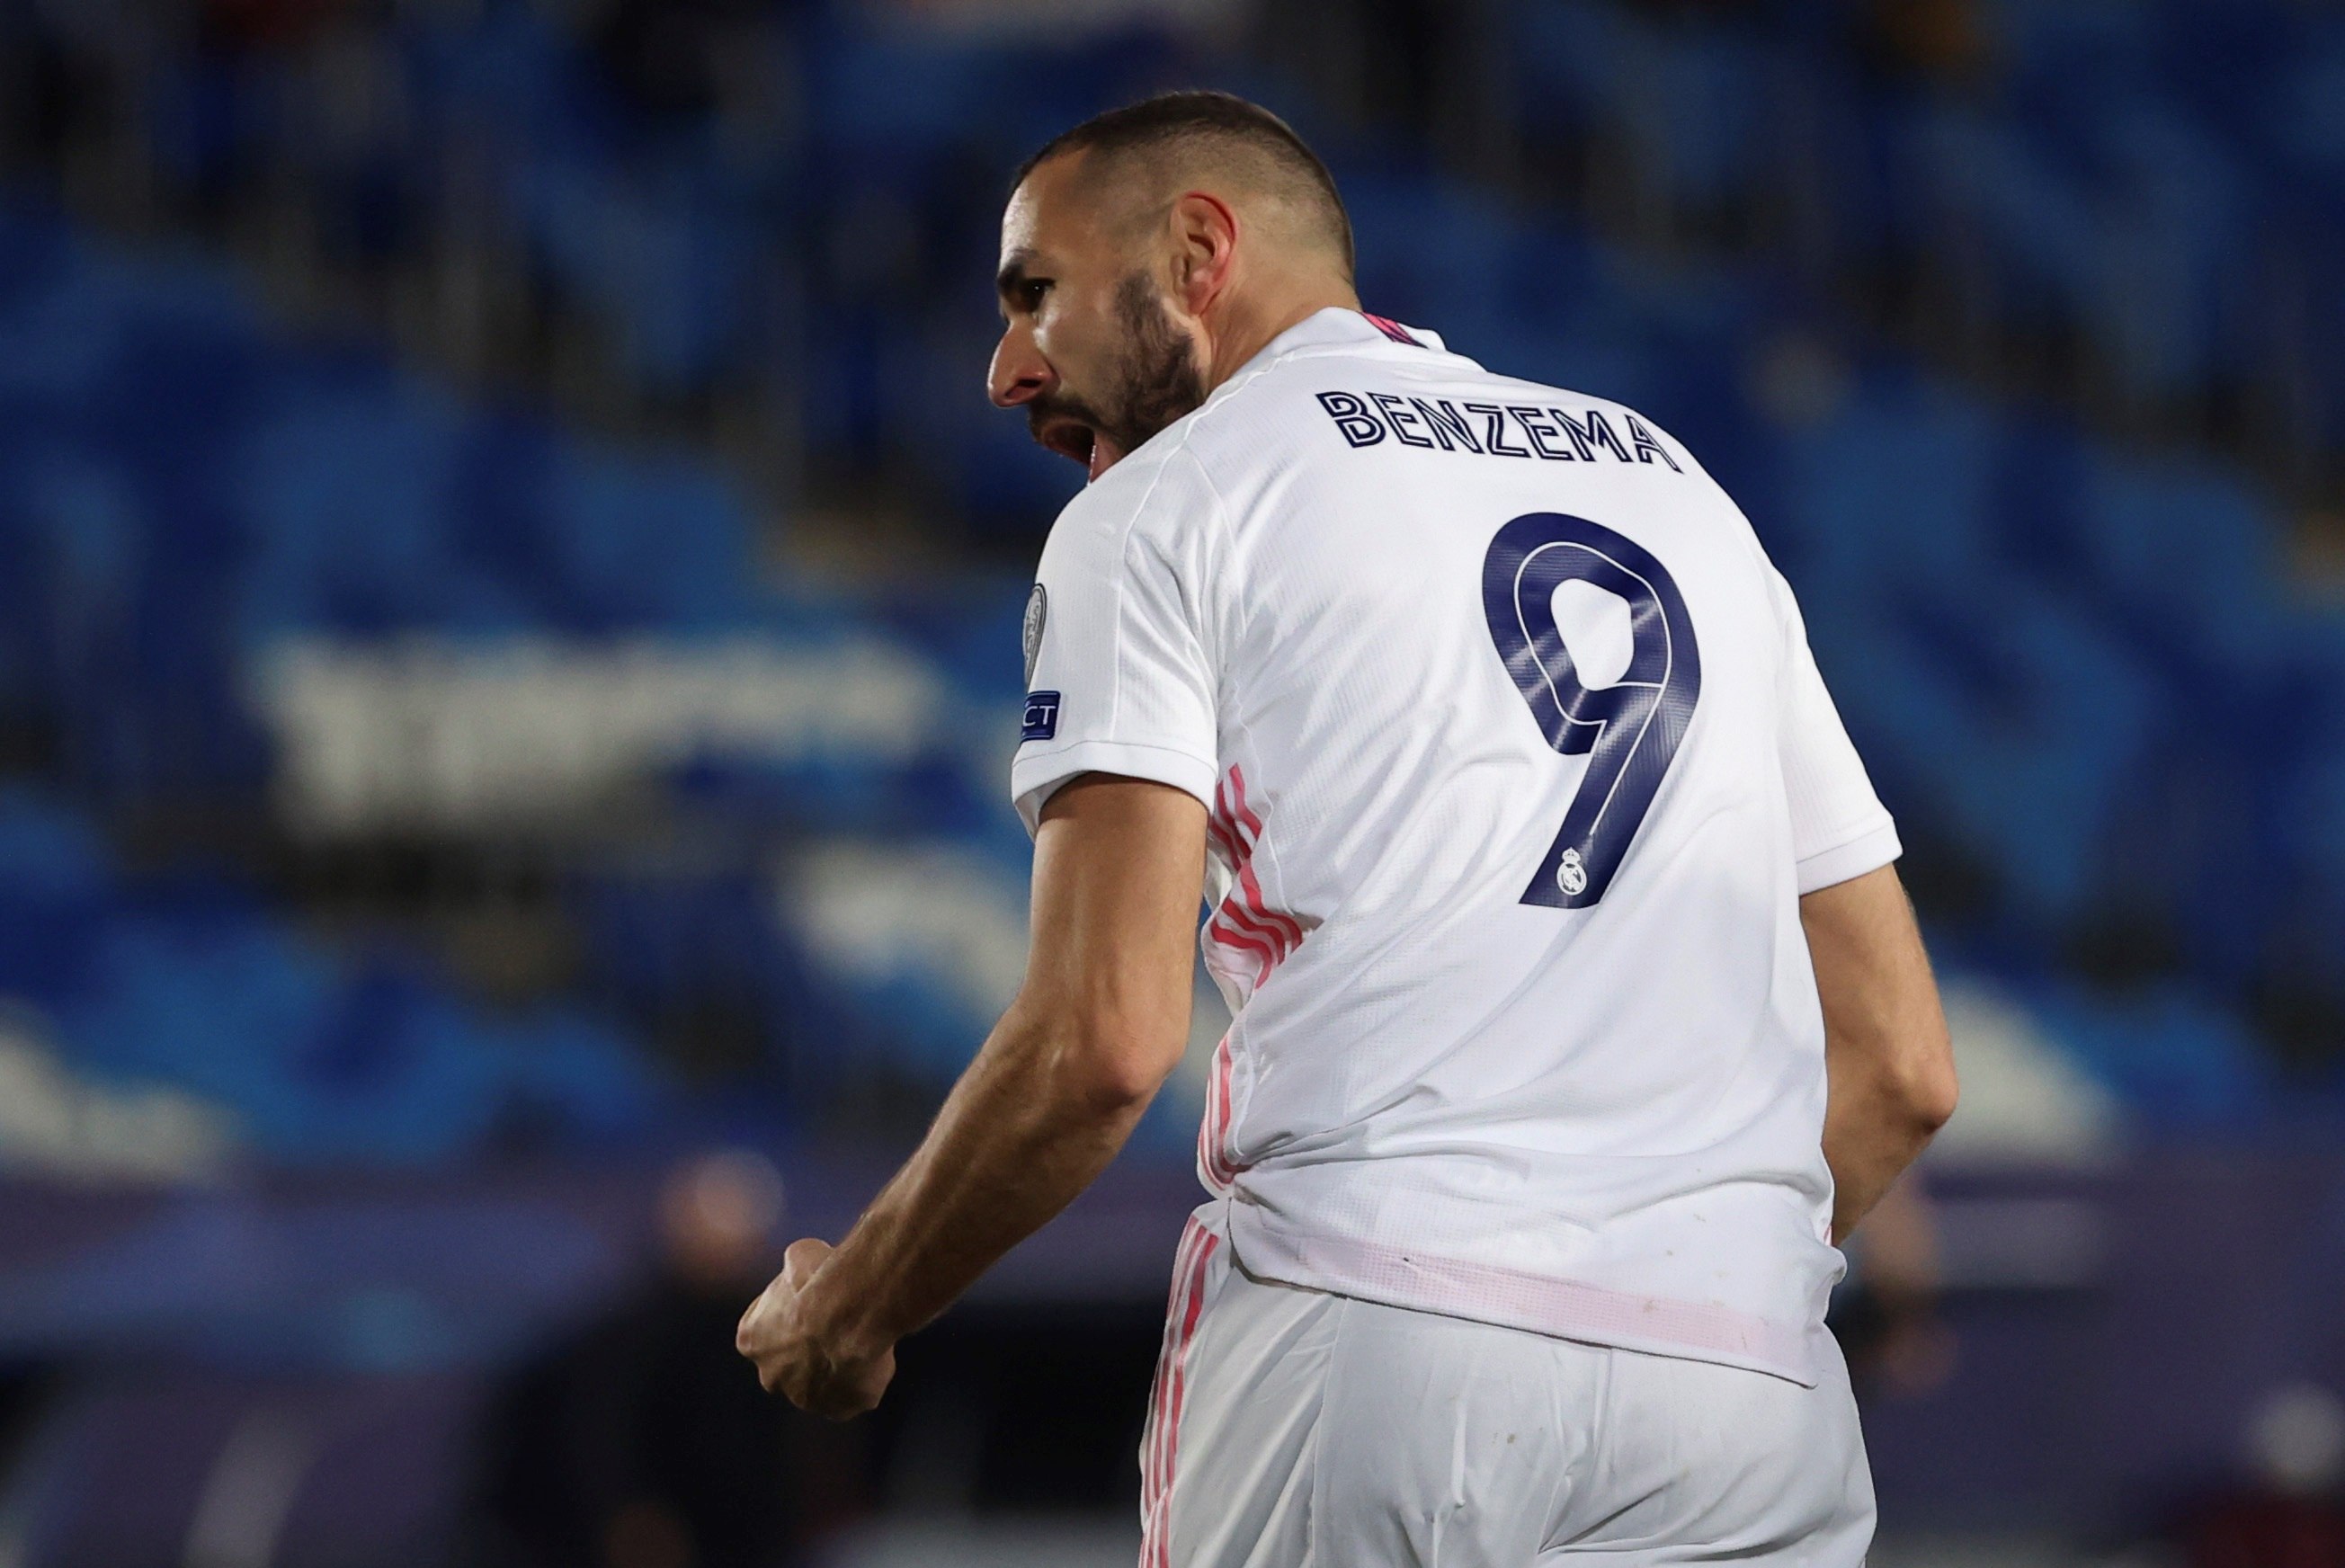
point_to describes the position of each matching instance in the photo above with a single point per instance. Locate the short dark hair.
(1170, 119)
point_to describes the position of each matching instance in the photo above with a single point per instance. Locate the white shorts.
(1294, 1429)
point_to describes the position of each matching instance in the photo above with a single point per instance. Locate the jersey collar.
(1336, 327)
(1334, 330)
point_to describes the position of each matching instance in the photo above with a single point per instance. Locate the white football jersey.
(1517, 763)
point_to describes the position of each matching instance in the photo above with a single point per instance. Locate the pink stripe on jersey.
(1244, 812)
(1253, 823)
(1215, 1167)
(1245, 920)
(1289, 933)
(1225, 930)
(1222, 822)
(1219, 828)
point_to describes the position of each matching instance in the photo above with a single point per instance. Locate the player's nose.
(1019, 373)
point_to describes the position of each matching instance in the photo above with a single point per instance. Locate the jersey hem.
(1517, 1299)
(1868, 851)
(1033, 779)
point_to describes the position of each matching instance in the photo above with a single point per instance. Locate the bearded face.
(1149, 380)
(1095, 344)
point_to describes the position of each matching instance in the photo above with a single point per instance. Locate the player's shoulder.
(1156, 492)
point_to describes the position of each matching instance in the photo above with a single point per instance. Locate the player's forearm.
(1888, 1064)
(1033, 1121)
(1875, 1128)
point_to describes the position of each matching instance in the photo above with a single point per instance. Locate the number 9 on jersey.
(1630, 730)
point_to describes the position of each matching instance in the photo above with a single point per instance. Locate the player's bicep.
(1118, 872)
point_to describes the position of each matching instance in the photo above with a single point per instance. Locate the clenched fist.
(803, 1356)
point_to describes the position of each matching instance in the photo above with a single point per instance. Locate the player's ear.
(1204, 241)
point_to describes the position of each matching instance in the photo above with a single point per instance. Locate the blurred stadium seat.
(419, 453)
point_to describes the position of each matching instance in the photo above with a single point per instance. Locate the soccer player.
(1579, 1011)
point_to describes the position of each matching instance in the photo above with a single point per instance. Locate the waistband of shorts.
(1518, 1298)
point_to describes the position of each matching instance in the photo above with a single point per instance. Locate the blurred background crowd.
(508, 655)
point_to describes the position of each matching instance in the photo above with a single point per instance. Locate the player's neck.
(1248, 325)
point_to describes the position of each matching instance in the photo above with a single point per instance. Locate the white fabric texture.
(1500, 1051)
(1310, 1431)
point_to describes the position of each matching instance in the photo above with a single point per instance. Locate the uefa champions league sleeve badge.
(1038, 611)
(1041, 707)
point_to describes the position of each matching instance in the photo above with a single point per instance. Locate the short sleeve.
(1121, 679)
(1839, 827)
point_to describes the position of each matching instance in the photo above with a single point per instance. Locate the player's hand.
(801, 1355)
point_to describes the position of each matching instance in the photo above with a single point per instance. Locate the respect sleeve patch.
(1042, 716)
